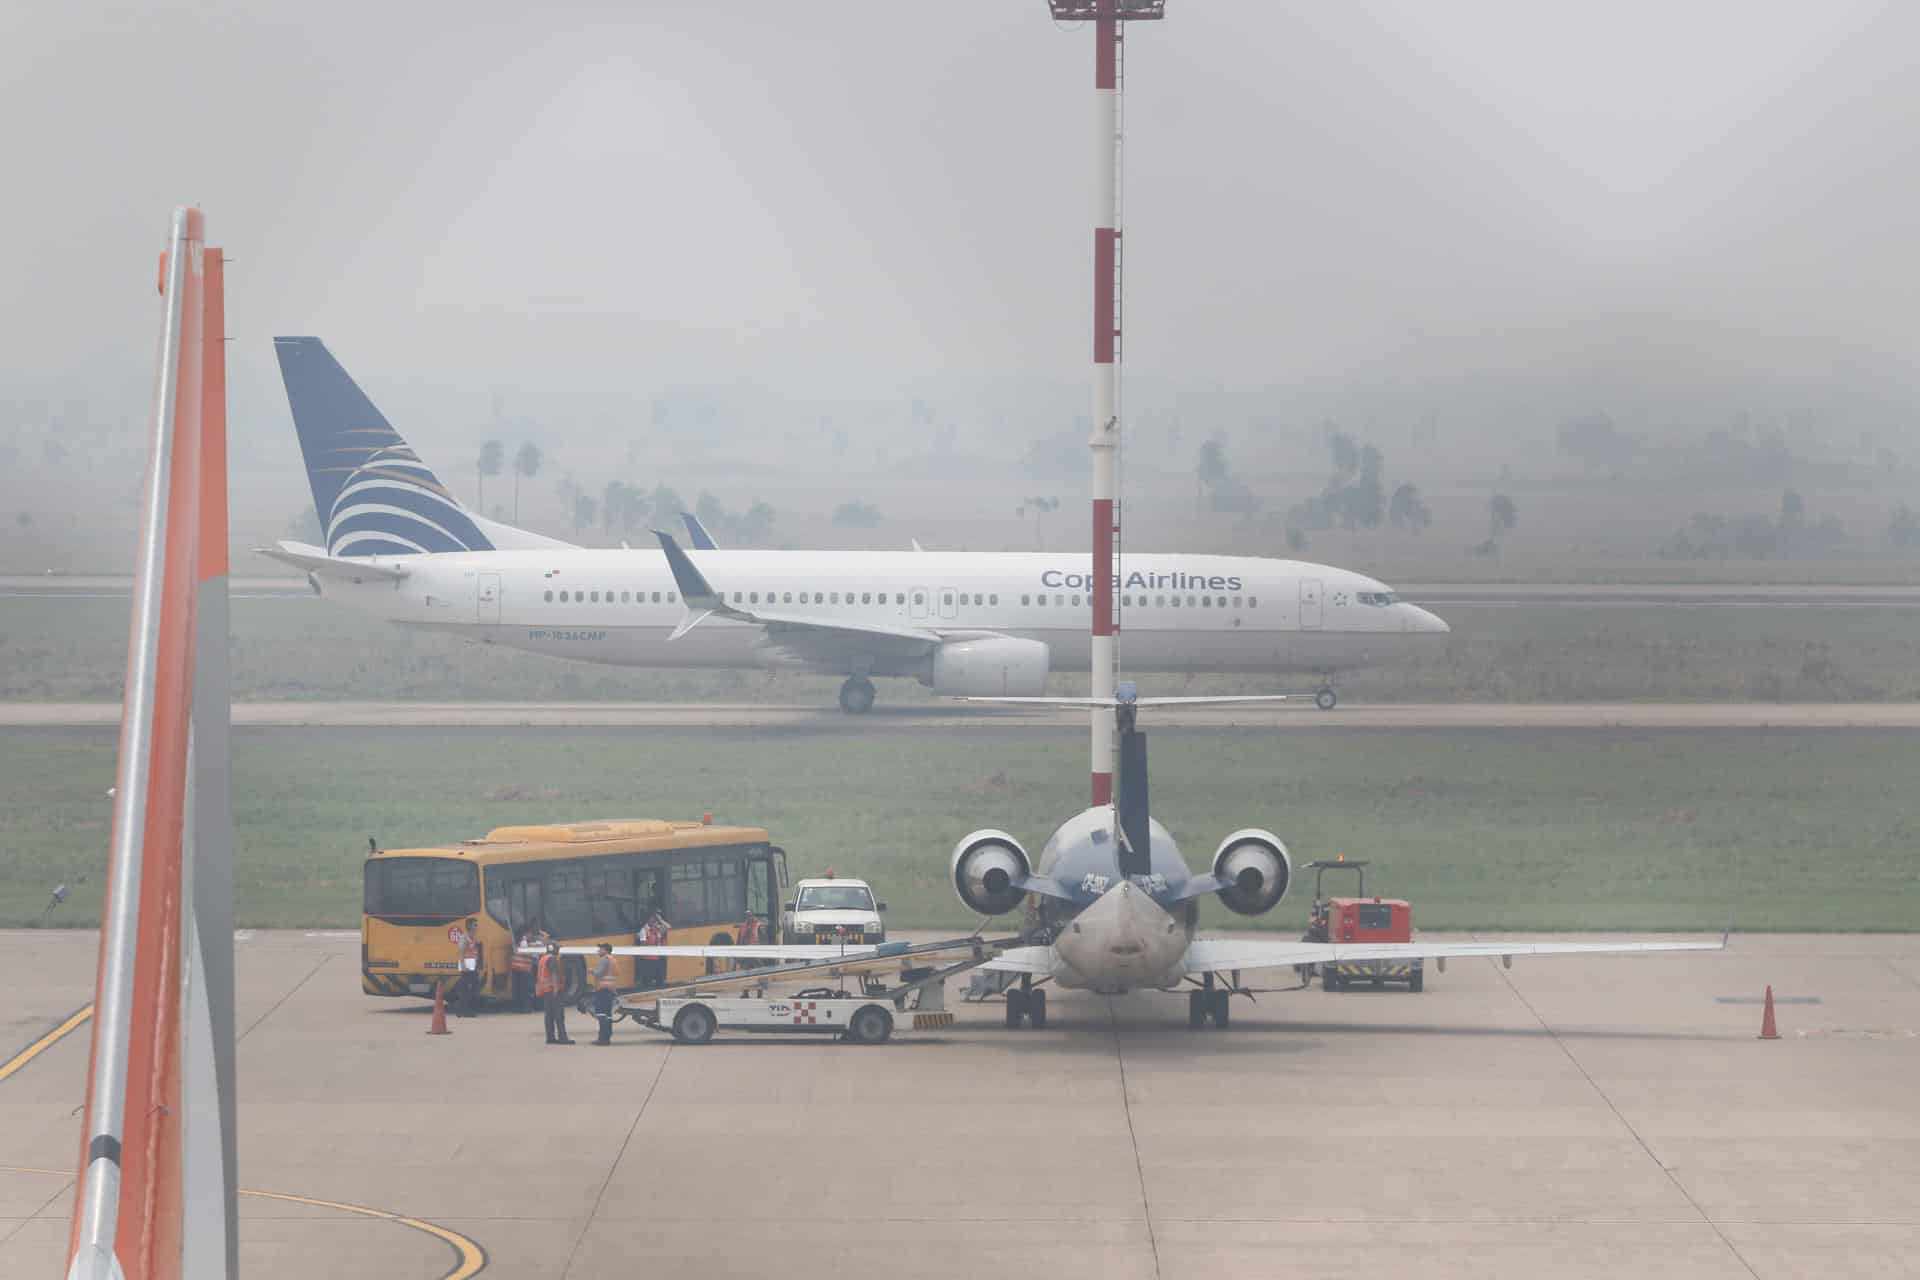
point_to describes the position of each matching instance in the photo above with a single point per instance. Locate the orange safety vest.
(547, 981)
(653, 934)
(749, 934)
(603, 969)
(521, 961)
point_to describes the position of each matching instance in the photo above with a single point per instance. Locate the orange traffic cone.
(1767, 1030)
(439, 1027)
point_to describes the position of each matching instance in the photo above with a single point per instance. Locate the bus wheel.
(694, 1024)
(870, 1024)
(576, 981)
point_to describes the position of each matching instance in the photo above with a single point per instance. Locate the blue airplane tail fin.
(372, 492)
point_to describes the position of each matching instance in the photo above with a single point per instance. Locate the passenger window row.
(593, 597)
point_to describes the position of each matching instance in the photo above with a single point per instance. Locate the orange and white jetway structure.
(156, 1175)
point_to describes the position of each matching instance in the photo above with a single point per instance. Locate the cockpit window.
(1378, 599)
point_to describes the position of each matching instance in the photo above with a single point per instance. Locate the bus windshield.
(837, 897)
(440, 888)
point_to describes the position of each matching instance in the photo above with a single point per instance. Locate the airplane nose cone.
(1427, 623)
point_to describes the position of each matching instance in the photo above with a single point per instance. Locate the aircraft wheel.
(870, 1024)
(856, 696)
(1197, 1009)
(694, 1024)
(1016, 1008)
(1037, 1008)
(1326, 699)
(1222, 1009)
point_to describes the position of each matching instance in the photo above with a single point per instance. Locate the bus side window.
(569, 915)
(650, 892)
(689, 903)
(726, 889)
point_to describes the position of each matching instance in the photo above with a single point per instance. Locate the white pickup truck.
(830, 910)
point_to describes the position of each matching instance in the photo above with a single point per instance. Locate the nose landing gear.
(856, 696)
(1326, 699)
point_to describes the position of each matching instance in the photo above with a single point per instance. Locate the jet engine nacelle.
(990, 667)
(1256, 868)
(988, 867)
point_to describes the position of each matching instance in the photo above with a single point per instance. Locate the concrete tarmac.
(1299, 714)
(1569, 1118)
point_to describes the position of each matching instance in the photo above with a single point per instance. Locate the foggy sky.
(1328, 191)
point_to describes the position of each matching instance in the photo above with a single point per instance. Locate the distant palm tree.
(492, 454)
(525, 463)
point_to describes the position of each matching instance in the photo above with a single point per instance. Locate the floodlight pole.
(1109, 17)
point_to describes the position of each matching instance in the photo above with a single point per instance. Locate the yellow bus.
(583, 882)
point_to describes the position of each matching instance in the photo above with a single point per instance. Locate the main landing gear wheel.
(1222, 1009)
(856, 696)
(1326, 699)
(1197, 1008)
(694, 1024)
(1037, 1008)
(1016, 1008)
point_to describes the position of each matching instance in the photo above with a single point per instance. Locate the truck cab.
(832, 909)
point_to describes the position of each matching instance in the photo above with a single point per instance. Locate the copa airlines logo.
(1147, 581)
(393, 505)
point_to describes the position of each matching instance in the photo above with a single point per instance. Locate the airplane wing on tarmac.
(1219, 955)
(805, 638)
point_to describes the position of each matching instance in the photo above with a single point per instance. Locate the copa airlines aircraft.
(399, 546)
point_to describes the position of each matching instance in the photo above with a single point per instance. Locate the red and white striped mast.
(1108, 17)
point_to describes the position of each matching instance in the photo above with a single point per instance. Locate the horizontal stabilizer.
(314, 560)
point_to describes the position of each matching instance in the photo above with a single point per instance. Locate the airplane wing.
(806, 639)
(794, 952)
(1201, 700)
(1218, 955)
(1037, 961)
(316, 560)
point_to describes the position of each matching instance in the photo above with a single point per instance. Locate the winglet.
(694, 587)
(697, 533)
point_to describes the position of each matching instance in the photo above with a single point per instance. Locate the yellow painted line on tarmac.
(45, 1042)
(469, 1259)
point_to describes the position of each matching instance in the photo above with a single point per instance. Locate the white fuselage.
(1180, 613)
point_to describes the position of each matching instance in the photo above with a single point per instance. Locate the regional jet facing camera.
(399, 546)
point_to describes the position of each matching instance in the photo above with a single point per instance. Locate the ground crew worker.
(547, 982)
(603, 993)
(752, 933)
(654, 933)
(522, 967)
(466, 990)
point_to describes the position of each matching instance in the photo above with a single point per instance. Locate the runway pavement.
(1736, 595)
(1570, 1118)
(1299, 715)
